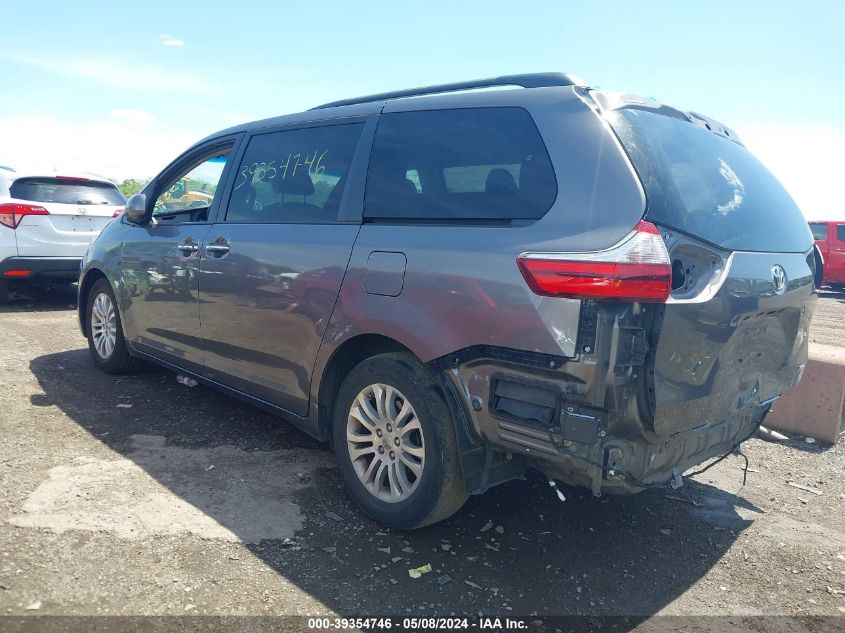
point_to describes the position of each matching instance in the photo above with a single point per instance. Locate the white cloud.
(168, 40)
(132, 116)
(125, 76)
(806, 159)
(129, 144)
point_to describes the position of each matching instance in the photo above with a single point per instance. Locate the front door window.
(189, 195)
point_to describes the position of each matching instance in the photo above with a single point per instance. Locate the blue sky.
(121, 91)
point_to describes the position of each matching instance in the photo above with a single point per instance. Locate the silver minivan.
(452, 285)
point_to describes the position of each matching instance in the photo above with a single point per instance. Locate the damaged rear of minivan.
(691, 327)
(474, 282)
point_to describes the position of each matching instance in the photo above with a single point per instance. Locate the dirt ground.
(140, 496)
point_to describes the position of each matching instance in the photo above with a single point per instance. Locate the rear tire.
(105, 332)
(395, 443)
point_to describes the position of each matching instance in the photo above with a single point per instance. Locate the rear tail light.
(636, 269)
(17, 273)
(12, 213)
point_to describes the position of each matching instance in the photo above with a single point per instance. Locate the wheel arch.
(91, 277)
(350, 353)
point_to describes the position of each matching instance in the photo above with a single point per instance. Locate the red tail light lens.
(636, 269)
(12, 213)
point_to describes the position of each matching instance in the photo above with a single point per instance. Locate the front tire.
(105, 332)
(395, 443)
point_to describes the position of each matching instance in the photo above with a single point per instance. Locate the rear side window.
(66, 191)
(819, 231)
(468, 164)
(703, 184)
(295, 176)
(840, 232)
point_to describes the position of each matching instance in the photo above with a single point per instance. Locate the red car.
(830, 239)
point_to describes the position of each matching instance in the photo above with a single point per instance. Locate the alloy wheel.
(103, 325)
(385, 443)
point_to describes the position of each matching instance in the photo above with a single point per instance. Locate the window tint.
(819, 231)
(840, 232)
(712, 187)
(468, 164)
(189, 195)
(66, 191)
(294, 176)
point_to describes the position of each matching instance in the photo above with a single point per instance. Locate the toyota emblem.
(779, 279)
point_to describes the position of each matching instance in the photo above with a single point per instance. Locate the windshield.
(709, 186)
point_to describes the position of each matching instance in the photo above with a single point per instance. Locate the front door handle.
(217, 248)
(188, 247)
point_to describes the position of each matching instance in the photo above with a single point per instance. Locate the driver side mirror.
(136, 209)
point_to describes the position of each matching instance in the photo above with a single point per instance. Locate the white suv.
(47, 222)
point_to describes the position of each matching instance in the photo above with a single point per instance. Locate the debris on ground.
(810, 489)
(771, 436)
(34, 606)
(385, 550)
(329, 550)
(665, 532)
(291, 545)
(442, 580)
(186, 380)
(500, 529)
(472, 584)
(684, 499)
(419, 571)
(334, 517)
(124, 405)
(487, 526)
(210, 467)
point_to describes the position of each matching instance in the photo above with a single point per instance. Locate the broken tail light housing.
(636, 269)
(12, 213)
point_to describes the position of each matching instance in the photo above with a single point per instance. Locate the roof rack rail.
(530, 80)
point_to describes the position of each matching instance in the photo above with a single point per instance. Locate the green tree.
(131, 186)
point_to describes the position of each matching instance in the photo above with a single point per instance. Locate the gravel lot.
(138, 495)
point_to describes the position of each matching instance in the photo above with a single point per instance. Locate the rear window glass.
(66, 191)
(467, 164)
(709, 186)
(840, 232)
(819, 231)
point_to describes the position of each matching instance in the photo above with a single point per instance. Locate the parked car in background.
(453, 285)
(47, 222)
(830, 240)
